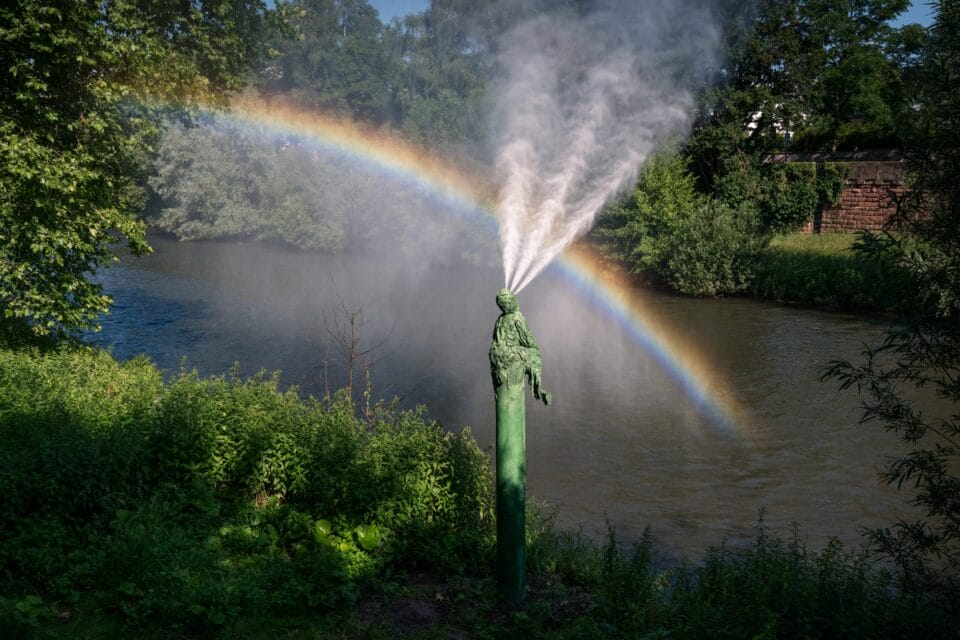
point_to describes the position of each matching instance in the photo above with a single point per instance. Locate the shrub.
(780, 589)
(713, 252)
(637, 227)
(213, 506)
(185, 503)
(669, 233)
(785, 195)
(789, 194)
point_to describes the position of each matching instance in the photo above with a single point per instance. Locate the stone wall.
(866, 201)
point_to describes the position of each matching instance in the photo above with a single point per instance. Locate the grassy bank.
(822, 270)
(222, 507)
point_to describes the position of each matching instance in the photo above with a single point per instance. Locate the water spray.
(582, 99)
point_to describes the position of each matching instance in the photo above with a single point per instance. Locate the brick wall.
(865, 202)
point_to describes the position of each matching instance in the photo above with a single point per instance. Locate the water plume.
(583, 98)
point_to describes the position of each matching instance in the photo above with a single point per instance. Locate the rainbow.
(619, 298)
(605, 289)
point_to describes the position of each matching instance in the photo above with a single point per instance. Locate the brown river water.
(624, 443)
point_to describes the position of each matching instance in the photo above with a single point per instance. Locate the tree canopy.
(88, 81)
(82, 86)
(811, 75)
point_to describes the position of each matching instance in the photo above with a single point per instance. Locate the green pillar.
(511, 493)
(514, 359)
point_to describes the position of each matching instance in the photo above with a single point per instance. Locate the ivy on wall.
(791, 193)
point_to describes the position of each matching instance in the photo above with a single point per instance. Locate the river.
(624, 442)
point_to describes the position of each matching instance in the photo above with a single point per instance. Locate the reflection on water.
(621, 443)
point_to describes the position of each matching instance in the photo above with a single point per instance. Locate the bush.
(713, 252)
(668, 233)
(785, 195)
(780, 589)
(636, 228)
(186, 503)
(222, 507)
(773, 588)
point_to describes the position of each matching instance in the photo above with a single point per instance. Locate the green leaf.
(321, 531)
(369, 536)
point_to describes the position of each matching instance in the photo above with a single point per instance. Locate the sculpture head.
(507, 301)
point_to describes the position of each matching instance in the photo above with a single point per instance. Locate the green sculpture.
(514, 355)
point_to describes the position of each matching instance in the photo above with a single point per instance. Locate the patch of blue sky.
(390, 9)
(919, 12)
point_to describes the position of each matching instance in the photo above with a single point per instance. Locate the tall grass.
(822, 270)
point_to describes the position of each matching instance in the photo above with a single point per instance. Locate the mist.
(577, 103)
(581, 99)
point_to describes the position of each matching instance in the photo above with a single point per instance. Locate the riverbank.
(223, 507)
(811, 270)
(823, 271)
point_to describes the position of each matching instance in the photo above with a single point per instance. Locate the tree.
(215, 179)
(444, 75)
(695, 244)
(82, 86)
(825, 71)
(221, 181)
(851, 89)
(346, 330)
(922, 351)
(338, 64)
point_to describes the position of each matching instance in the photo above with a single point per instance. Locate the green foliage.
(921, 353)
(786, 195)
(668, 232)
(445, 72)
(823, 270)
(790, 197)
(664, 197)
(189, 503)
(75, 132)
(831, 73)
(219, 507)
(831, 180)
(770, 589)
(856, 89)
(714, 252)
(217, 181)
(422, 75)
(780, 589)
(338, 64)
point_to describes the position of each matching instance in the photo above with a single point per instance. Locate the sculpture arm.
(533, 364)
(523, 333)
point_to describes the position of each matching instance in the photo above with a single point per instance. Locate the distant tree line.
(812, 75)
(798, 75)
(803, 75)
(421, 77)
(220, 179)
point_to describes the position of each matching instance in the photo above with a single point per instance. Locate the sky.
(388, 9)
(920, 12)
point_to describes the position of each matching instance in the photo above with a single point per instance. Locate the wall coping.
(874, 155)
